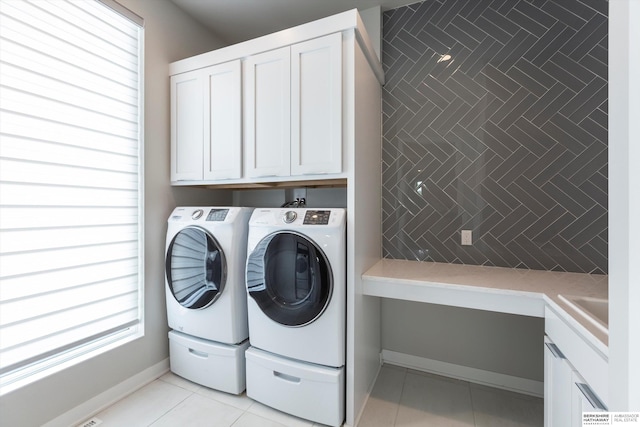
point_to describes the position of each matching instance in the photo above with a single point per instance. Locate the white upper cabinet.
(271, 110)
(316, 106)
(223, 121)
(206, 128)
(293, 110)
(267, 114)
(186, 126)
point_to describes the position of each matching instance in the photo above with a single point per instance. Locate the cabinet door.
(316, 106)
(267, 114)
(557, 387)
(222, 121)
(186, 126)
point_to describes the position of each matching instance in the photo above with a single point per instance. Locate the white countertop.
(505, 290)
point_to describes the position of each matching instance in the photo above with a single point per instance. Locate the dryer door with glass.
(290, 278)
(196, 268)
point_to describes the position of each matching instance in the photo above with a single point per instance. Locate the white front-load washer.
(206, 294)
(296, 283)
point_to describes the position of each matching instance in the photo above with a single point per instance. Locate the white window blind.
(70, 182)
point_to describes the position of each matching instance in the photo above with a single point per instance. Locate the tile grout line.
(404, 380)
(473, 409)
(174, 406)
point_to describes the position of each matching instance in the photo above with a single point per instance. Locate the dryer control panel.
(316, 217)
(217, 214)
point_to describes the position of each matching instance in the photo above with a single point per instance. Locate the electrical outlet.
(466, 238)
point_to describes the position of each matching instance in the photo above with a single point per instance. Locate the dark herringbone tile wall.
(495, 120)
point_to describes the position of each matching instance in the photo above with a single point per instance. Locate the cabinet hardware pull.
(198, 353)
(555, 350)
(285, 377)
(588, 394)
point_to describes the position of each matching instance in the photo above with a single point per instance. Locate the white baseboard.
(477, 376)
(102, 401)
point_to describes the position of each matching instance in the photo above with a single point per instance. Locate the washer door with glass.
(290, 278)
(195, 268)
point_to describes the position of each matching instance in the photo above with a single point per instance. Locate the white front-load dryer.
(206, 295)
(296, 283)
(205, 281)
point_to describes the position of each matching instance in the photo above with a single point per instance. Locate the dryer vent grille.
(91, 423)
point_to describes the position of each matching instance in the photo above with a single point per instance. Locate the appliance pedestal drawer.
(211, 364)
(305, 390)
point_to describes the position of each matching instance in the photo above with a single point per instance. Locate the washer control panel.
(316, 217)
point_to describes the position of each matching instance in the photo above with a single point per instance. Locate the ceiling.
(235, 21)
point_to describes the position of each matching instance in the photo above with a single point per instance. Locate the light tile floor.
(401, 397)
(404, 397)
(171, 401)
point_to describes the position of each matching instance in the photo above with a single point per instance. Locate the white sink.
(595, 310)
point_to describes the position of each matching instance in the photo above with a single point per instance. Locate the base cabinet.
(566, 392)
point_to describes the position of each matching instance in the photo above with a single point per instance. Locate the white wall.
(496, 342)
(169, 35)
